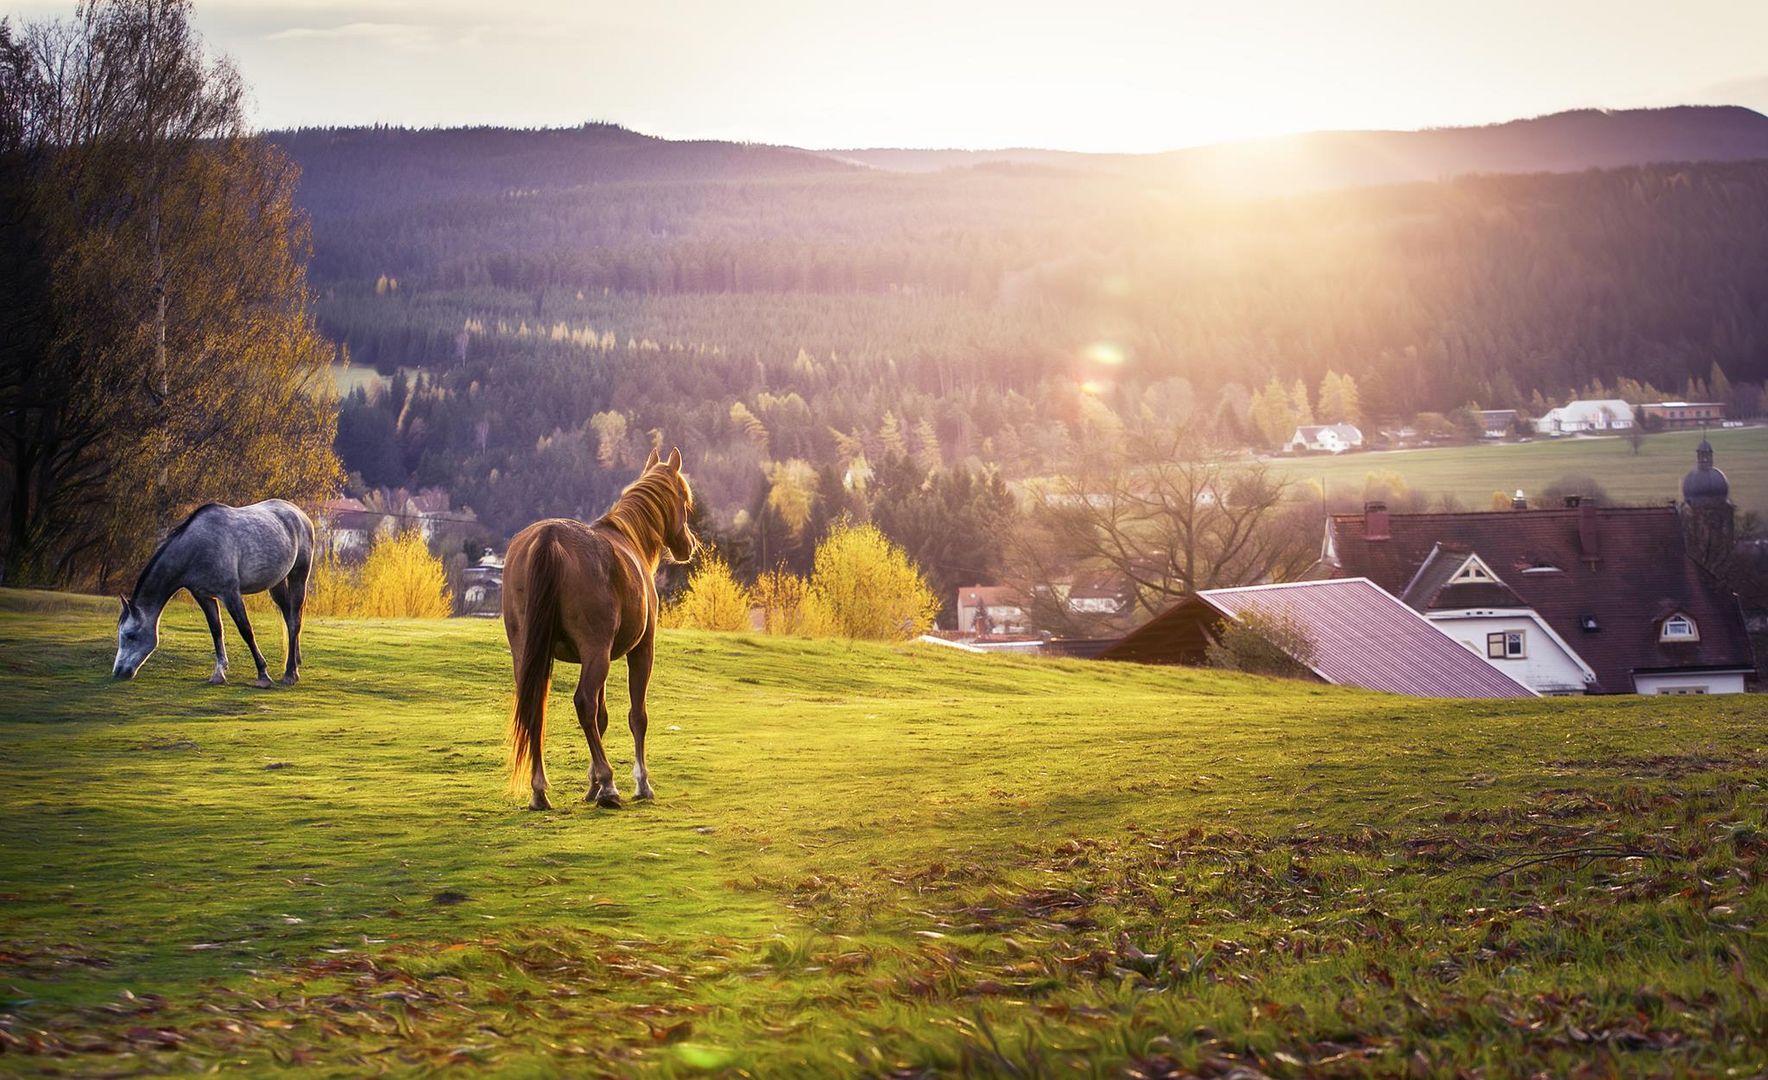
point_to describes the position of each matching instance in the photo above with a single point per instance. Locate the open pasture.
(1472, 473)
(863, 860)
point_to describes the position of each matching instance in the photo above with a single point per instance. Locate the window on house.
(1505, 645)
(1679, 628)
(1471, 570)
(1680, 690)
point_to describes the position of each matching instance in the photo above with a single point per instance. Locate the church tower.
(1709, 520)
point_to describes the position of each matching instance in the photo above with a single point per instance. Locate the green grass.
(1472, 473)
(863, 860)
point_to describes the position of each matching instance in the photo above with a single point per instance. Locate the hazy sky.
(1083, 74)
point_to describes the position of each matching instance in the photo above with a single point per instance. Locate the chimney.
(1588, 546)
(1519, 501)
(1375, 526)
(1572, 501)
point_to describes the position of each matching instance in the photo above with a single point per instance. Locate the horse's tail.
(540, 633)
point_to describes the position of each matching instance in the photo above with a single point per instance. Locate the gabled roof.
(348, 514)
(1360, 635)
(1618, 566)
(1452, 579)
(1592, 406)
(1363, 636)
(434, 501)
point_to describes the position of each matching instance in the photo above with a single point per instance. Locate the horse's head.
(677, 536)
(137, 637)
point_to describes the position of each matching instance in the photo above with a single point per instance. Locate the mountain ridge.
(1569, 141)
(365, 165)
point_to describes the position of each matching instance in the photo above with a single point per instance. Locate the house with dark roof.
(1606, 594)
(1497, 423)
(1465, 598)
(1352, 633)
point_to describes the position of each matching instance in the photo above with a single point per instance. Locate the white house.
(990, 609)
(1325, 438)
(1608, 414)
(1580, 598)
(1462, 596)
(348, 528)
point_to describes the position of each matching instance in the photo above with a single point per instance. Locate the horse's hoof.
(646, 793)
(217, 679)
(290, 679)
(538, 802)
(263, 682)
(608, 800)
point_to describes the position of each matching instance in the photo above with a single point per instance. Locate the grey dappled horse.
(221, 553)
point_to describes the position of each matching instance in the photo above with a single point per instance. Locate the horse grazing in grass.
(587, 594)
(220, 553)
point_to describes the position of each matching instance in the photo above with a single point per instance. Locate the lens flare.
(1105, 353)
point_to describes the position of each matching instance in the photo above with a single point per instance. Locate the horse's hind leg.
(638, 678)
(236, 607)
(290, 596)
(592, 687)
(212, 613)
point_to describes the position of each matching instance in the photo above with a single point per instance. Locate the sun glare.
(1105, 354)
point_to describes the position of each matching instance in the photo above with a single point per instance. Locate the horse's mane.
(641, 513)
(176, 532)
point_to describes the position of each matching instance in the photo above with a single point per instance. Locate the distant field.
(883, 861)
(355, 375)
(1472, 473)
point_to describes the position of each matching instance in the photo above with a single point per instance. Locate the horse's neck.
(649, 551)
(157, 588)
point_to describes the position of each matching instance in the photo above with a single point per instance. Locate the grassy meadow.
(865, 860)
(1472, 473)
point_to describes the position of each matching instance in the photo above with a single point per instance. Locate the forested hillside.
(566, 293)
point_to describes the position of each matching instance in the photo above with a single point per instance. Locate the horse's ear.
(651, 460)
(675, 459)
(125, 602)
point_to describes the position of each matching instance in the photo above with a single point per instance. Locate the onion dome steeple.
(1705, 485)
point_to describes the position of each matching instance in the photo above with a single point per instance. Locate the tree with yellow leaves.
(791, 492)
(864, 586)
(713, 600)
(185, 365)
(402, 580)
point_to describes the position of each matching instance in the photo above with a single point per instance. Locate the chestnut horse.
(587, 594)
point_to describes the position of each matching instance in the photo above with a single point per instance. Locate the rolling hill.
(670, 282)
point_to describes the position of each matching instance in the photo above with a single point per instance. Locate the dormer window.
(1473, 571)
(1679, 627)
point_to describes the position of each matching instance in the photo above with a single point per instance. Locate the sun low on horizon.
(1129, 76)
